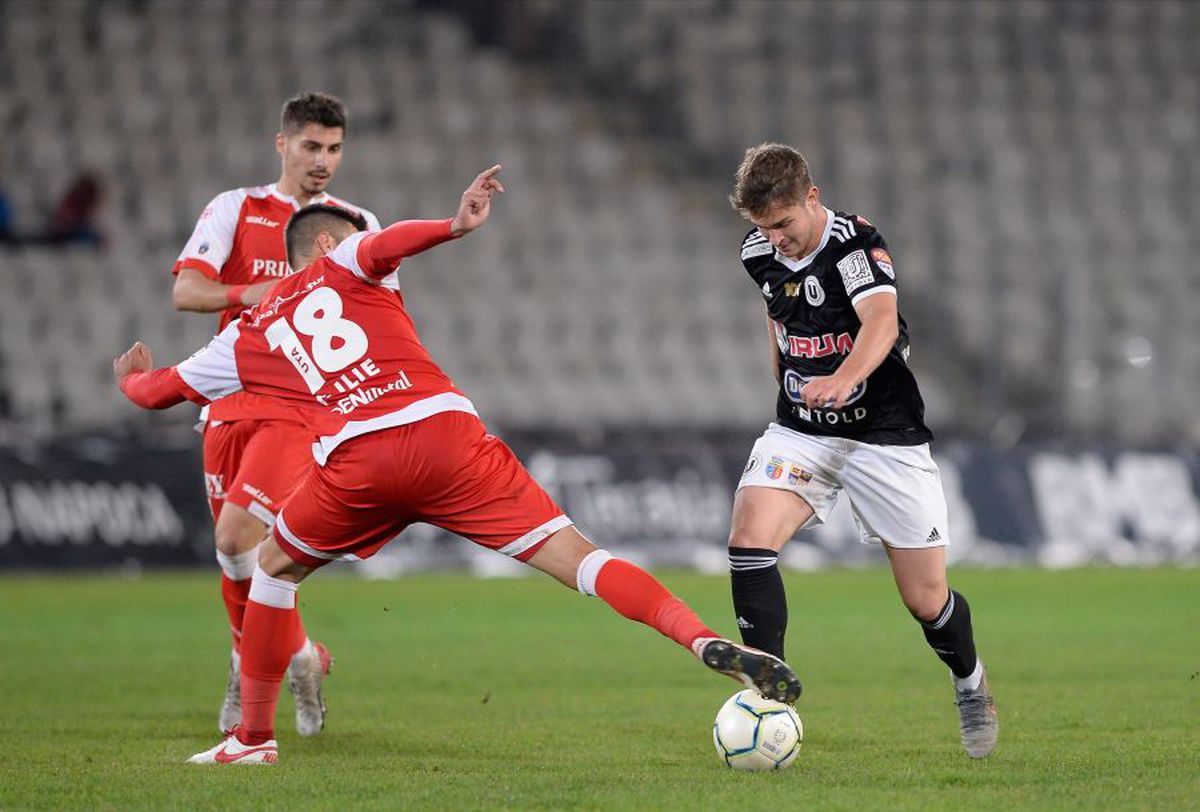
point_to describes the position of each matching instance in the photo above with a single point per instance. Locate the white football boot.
(232, 751)
(231, 708)
(978, 722)
(307, 669)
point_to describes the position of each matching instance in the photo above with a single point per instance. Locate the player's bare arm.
(880, 328)
(776, 368)
(197, 293)
(475, 205)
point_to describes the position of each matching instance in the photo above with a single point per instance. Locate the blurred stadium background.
(1032, 164)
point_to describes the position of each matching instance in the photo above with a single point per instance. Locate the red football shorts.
(445, 470)
(255, 464)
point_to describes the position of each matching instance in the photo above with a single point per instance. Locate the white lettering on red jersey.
(335, 347)
(239, 240)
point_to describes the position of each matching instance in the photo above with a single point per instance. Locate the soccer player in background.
(256, 451)
(397, 443)
(850, 417)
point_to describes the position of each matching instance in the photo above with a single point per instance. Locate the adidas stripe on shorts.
(895, 491)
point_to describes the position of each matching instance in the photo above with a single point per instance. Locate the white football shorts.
(895, 491)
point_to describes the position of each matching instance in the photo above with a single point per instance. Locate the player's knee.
(925, 604)
(236, 536)
(275, 562)
(743, 537)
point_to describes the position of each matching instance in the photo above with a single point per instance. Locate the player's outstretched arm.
(147, 387)
(379, 253)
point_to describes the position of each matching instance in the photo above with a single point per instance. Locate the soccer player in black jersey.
(849, 417)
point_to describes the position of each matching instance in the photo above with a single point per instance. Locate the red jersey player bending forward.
(397, 443)
(256, 451)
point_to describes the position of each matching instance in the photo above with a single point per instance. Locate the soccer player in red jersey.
(397, 443)
(256, 451)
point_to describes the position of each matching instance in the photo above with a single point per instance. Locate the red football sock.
(235, 594)
(639, 596)
(299, 635)
(269, 634)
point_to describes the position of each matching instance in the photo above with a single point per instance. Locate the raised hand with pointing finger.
(475, 205)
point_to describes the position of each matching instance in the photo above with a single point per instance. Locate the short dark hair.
(306, 224)
(770, 174)
(312, 108)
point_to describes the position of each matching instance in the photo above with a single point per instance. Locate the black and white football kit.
(876, 445)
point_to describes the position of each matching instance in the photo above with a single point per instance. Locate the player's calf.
(759, 600)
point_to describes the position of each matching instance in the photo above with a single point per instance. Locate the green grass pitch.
(451, 693)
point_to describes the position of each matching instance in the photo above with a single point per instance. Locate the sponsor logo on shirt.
(271, 267)
(793, 382)
(256, 220)
(817, 346)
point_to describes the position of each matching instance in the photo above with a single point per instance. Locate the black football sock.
(758, 598)
(950, 635)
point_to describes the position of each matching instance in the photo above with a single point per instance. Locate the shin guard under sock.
(269, 635)
(950, 635)
(759, 600)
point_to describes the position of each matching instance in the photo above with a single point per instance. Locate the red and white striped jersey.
(334, 346)
(239, 240)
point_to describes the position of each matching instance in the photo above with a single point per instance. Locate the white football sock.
(970, 682)
(238, 567)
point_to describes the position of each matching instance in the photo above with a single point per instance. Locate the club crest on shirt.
(814, 294)
(775, 467)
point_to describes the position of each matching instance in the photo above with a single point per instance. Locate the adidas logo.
(934, 536)
(743, 623)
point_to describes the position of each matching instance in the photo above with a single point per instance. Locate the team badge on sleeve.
(884, 260)
(775, 467)
(855, 270)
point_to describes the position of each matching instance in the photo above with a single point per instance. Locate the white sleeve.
(346, 255)
(211, 241)
(213, 370)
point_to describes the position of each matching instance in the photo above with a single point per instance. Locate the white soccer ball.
(757, 734)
